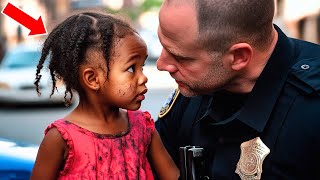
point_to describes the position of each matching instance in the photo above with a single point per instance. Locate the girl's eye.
(143, 66)
(131, 69)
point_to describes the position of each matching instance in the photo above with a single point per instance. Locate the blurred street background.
(27, 122)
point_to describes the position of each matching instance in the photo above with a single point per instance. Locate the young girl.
(101, 57)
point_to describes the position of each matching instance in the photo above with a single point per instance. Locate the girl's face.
(126, 83)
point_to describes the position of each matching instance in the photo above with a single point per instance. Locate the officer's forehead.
(173, 26)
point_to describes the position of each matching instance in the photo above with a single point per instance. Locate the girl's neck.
(99, 119)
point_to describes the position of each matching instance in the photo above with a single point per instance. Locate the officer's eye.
(131, 69)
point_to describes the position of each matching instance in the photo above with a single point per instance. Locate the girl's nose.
(143, 79)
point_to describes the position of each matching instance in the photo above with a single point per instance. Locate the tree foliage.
(134, 12)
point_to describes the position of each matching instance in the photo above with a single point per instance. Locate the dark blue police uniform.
(283, 109)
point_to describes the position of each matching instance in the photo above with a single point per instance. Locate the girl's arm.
(50, 158)
(162, 162)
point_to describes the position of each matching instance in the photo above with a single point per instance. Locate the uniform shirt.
(283, 109)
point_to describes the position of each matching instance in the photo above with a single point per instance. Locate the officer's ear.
(241, 54)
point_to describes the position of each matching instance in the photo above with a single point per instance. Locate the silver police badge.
(253, 152)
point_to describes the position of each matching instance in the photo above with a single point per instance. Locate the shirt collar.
(268, 86)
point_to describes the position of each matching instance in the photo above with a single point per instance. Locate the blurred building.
(2, 40)
(300, 19)
(11, 30)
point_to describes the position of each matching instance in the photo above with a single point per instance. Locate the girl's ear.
(241, 56)
(90, 78)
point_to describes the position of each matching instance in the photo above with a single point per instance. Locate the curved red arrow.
(36, 26)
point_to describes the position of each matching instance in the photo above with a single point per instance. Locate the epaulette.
(169, 103)
(307, 75)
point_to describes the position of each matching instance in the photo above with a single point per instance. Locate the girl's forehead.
(132, 38)
(131, 44)
(129, 48)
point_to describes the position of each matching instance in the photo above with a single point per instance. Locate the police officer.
(247, 94)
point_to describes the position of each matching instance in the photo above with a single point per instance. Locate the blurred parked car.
(17, 77)
(16, 160)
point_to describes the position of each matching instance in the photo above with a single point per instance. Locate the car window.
(21, 59)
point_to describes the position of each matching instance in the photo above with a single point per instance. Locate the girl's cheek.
(121, 93)
(126, 90)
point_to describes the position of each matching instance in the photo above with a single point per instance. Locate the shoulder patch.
(168, 103)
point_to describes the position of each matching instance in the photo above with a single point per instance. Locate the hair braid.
(44, 54)
(106, 43)
(53, 82)
(77, 52)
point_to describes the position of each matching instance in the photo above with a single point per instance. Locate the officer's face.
(194, 69)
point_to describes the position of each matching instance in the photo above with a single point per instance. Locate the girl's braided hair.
(68, 42)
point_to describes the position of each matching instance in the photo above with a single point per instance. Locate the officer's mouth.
(180, 84)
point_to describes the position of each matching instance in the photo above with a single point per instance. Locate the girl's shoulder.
(142, 126)
(139, 116)
(64, 129)
(60, 124)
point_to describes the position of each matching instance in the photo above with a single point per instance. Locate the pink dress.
(108, 157)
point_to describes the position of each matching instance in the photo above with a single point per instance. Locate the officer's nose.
(166, 63)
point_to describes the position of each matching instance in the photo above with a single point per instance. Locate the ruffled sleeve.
(60, 125)
(150, 127)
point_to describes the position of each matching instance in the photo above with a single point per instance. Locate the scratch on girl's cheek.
(121, 93)
(126, 90)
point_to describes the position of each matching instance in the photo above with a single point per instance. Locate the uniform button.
(305, 67)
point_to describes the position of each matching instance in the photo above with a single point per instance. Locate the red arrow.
(36, 26)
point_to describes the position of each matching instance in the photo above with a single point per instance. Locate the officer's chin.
(187, 92)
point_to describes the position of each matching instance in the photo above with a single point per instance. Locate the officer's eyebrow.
(173, 53)
(177, 55)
